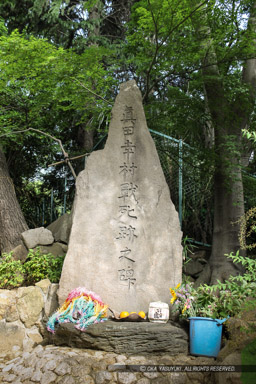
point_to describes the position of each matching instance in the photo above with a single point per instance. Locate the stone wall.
(22, 314)
(25, 359)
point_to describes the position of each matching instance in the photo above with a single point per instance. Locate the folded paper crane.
(82, 307)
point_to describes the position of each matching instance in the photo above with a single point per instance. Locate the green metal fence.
(190, 184)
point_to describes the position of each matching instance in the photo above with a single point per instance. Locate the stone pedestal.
(124, 337)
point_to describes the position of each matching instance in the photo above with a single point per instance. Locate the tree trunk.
(228, 209)
(85, 137)
(12, 222)
(228, 120)
(229, 200)
(87, 132)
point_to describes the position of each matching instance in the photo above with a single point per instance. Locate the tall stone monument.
(125, 242)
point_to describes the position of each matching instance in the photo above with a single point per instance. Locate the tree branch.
(159, 45)
(89, 90)
(66, 158)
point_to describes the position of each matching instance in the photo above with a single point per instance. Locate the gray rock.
(116, 367)
(125, 242)
(8, 367)
(61, 228)
(180, 378)
(50, 365)
(126, 378)
(12, 313)
(26, 373)
(44, 285)
(124, 337)
(68, 380)
(230, 377)
(143, 381)
(87, 379)
(8, 308)
(38, 236)
(48, 377)
(20, 252)
(10, 378)
(38, 350)
(17, 381)
(37, 376)
(30, 361)
(56, 249)
(151, 375)
(51, 303)
(103, 377)
(62, 369)
(17, 368)
(7, 300)
(11, 335)
(30, 304)
(193, 267)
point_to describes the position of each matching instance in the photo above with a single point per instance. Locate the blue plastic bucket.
(205, 336)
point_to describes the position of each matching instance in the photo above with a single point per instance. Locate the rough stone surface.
(125, 241)
(38, 236)
(30, 303)
(20, 252)
(241, 330)
(55, 249)
(193, 268)
(64, 365)
(61, 228)
(12, 313)
(11, 334)
(34, 335)
(22, 314)
(7, 300)
(230, 377)
(124, 337)
(44, 285)
(51, 303)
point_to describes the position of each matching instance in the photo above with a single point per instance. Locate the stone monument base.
(124, 337)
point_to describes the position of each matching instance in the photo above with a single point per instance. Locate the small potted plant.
(200, 308)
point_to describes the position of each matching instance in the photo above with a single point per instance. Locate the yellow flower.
(174, 297)
(184, 309)
(178, 286)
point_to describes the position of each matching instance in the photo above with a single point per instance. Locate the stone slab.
(124, 337)
(125, 242)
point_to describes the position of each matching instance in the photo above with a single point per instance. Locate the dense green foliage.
(37, 267)
(11, 272)
(48, 89)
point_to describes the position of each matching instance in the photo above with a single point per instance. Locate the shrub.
(219, 300)
(11, 272)
(39, 267)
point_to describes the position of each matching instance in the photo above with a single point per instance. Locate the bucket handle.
(220, 322)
